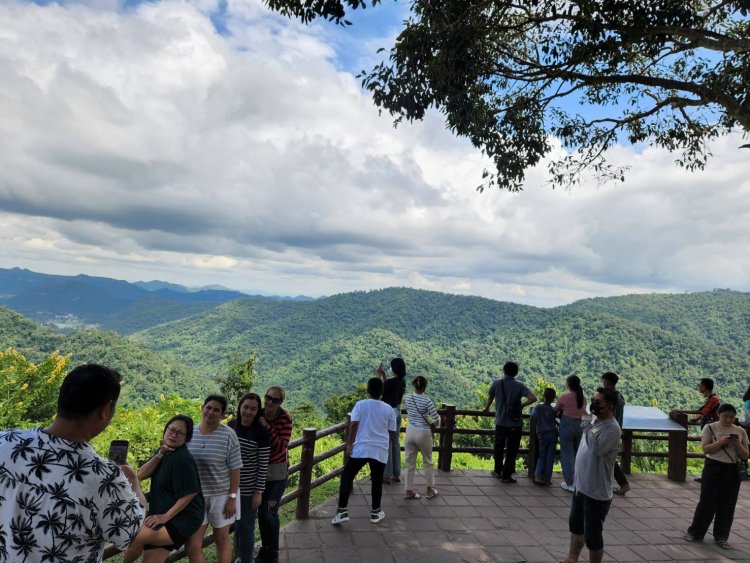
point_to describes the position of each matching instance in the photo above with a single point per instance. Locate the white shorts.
(214, 514)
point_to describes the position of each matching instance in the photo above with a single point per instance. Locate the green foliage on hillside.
(328, 347)
(151, 311)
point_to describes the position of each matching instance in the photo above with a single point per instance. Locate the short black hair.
(221, 399)
(726, 407)
(708, 383)
(550, 394)
(399, 367)
(609, 395)
(85, 389)
(419, 382)
(510, 369)
(375, 387)
(188, 425)
(611, 377)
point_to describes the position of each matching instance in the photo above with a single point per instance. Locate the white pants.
(418, 440)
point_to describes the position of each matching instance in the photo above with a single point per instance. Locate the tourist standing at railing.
(572, 406)
(373, 422)
(746, 407)
(708, 412)
(393, 393)
(546, 432)
(508, 394)
(175, 502)
(594, 468)
(609, 381)
(420, 431)
(216, 451)
(60, 500)
(255, 447)
(278, 423)
(724, 445)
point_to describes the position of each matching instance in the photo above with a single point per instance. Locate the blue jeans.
(244, 532)
(570, 437)
(268, 515)
(393, 465)
(547, 443)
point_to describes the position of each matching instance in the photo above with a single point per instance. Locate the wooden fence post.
(677, 466)
(446, 441)
(627, 451)
(533, 454)
(309, 436)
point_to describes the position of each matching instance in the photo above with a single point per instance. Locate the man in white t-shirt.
(373, 422)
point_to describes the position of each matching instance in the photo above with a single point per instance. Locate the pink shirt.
(568, 404)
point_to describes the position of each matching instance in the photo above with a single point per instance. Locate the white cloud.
(143, 144)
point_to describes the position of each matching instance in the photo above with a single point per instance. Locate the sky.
(204, 142)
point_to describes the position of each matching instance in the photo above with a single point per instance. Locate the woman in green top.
(175, 509)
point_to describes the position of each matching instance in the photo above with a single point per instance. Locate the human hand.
(165, 449)
(230, 508)
(156, 520)
(256, 500)
(348, 450)
(263, 422)
(129, 473)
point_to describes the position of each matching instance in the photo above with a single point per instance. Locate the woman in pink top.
(572, 404)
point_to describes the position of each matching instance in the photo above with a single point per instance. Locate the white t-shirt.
(375, 419)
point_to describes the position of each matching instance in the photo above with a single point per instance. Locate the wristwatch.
(232, 495)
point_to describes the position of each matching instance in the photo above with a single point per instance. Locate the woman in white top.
(724, 444)
(423, 418)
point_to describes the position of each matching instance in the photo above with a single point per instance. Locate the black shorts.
(178, 540)
(587, 519)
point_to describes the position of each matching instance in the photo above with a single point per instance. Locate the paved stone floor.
(475, 518)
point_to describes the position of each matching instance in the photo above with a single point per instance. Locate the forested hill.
(328, 346)
(145, 374)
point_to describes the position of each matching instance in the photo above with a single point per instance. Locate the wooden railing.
(677, 456)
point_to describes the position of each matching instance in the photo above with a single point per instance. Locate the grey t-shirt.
(507, 391)
(595, 460)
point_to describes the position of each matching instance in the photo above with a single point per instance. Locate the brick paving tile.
(620, 553)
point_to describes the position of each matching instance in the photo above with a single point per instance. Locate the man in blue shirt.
(508, 394)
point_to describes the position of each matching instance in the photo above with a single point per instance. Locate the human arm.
(530, 399)
(380, 372)
(177, 507)
(280, 432)
(135, 484)
(230, 508)
(490, 397)
(120, 505)
(601, 439)
(147, 469)
(351, 436)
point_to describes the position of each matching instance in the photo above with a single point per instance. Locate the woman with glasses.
(175, 508)
(217, 454)
(278, 423)
(255, 446)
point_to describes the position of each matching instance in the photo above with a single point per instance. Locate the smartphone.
(118, 451)
(734, 436)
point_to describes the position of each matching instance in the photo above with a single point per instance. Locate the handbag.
(739, 465)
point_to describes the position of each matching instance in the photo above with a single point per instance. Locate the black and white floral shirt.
(60, 501)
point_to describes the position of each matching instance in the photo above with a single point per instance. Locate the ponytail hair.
(746, 396)
(574, 384)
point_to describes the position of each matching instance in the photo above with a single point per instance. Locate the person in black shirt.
(393, 392)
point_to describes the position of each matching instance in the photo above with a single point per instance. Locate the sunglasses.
(274, 400)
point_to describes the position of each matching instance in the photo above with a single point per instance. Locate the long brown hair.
(245, 397)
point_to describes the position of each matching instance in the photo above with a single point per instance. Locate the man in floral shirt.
(59, 500)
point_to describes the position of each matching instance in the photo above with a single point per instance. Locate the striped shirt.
(280, 431)
(216, 454)
(420, 407)
(255, 446)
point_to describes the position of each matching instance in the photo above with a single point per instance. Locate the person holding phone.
(176, 507)
(255, 446)
(278, 423)
(217, 454)
(724, 444)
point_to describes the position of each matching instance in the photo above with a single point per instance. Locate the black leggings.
(351, 468)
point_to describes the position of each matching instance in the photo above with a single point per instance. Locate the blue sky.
(140, 142)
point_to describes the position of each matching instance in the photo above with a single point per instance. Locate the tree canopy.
(514, 75)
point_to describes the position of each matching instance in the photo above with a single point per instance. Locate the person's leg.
(244, 531)
(729, 489)
(513, 444)
(396, 446)
(410, 456)
(223, 545)
(425, 448)
(146, 536)
(707, 504)
(501, 433)
(594, 514)
(351, 468)
(576, 528)
(194, 545)
(376, 489)
(543, 471)
(268, 519)
(622, 481)
(567, 449)
(156, 555)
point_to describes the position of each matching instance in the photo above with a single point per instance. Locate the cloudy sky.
(208, 142)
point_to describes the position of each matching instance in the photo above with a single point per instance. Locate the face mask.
(595, 408)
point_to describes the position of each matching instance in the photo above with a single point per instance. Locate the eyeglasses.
(176, 432)
(274, 400)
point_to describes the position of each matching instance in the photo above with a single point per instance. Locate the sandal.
(723, 544)
(690, 537)
(414, 496)
(433, 495)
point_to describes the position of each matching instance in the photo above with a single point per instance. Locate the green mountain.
(145, 374)
(328, 346)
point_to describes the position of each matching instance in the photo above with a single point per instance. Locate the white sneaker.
(565, 487)
(376, 517)
(340, 518)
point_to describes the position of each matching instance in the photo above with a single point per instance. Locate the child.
(546, 431)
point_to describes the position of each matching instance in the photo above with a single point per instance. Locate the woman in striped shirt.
(255, 447)
(423, 418)
(278, 423)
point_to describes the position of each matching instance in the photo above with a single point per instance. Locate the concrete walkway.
(475, 518)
